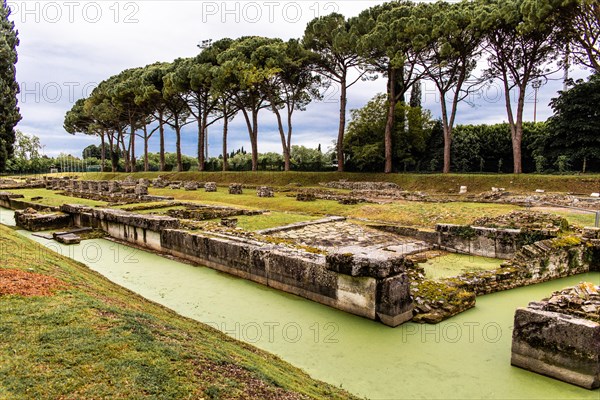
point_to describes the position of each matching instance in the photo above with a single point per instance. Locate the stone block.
(557, 345)
(141, 190)
(66, 238)
(394, 302)
(210, 187)
(114, 186)
(190, 185)
(265, 191)
(33, 221)
(229, 222)
(305, 197)
(590, 232)
(235, 188)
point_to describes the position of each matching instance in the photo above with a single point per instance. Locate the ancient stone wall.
(540, 262)
(341, 184)
(35, 221)
(374, 289)
(312, 276)
(487, 242)
(557, 342)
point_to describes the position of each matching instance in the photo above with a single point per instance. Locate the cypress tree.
(9, 88)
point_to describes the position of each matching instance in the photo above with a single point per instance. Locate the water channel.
(465, 357)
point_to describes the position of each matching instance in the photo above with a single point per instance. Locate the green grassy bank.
(434, 183)
(93, 339)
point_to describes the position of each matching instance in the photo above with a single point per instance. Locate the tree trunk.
(124, 150)
(389, 123)
(178, 147)
(113, 156)
(514, 130)
(204, 154)
(225, 129)
(254, 140)
(342, 126)
(517, 137)
(102, 151)
(584, 165)
(288, 151)
(132, 148)
(284, 147)
(146, 140)
(200, 144)
(161, 128)
(447, 133)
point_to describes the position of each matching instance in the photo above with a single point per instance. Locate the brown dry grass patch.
(24, 283)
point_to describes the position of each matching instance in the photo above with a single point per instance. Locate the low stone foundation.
(557, 342)
(488, 242)
(199, 212)
(367, 186)
(305, 197)
(35, 221)
(374, 289)
(265, 191)
(235, 188)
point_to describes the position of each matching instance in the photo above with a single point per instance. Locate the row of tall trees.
(405, 42)
(227, 78)
(9, 88)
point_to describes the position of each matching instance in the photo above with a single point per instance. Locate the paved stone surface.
(346, 237)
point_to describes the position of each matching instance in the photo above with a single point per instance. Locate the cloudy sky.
(67, 47)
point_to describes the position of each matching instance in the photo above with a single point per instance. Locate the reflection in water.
(465, 357)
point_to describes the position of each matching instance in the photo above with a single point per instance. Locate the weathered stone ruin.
(114, 187)
(160, 182)
(265, 191)
(560, 336)
(201, 212)
(305, 197)
(343, 184)
(229, 222)
(210, 187)
(190, 185)
(235, 188)
(36, 221)
(141, 190)
(350, 201)
(375, 289)
(112, 191)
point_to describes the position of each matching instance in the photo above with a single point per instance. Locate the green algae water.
(454, 264)
(466, 357)
(7, 217)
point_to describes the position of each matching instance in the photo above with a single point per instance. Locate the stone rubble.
(265, 191)
(343, 184)
(582, 300)
(304, 196)
(190, 185)
(235, 188)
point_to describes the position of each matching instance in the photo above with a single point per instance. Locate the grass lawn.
(269, 220)
(52, 198)
(581, 219)
(93, 339)
(400, 212)
(452, 264)
(432, 183)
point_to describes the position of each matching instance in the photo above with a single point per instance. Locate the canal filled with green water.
(465, 357)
